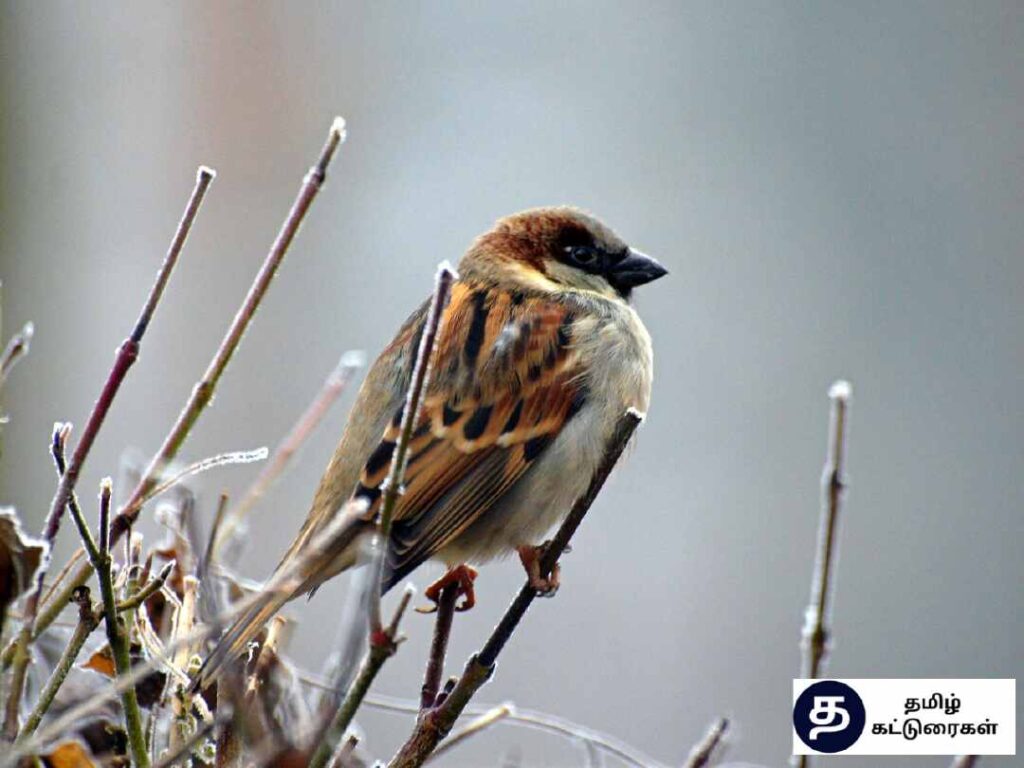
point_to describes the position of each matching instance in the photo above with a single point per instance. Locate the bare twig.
(541, 721)
(344, 751)
(87, 622)
(439, 646)
(152, 587)
(21, 655)
(484, 721)
(117, 634)
(330, 391)
(815, 636)
(17, 347)
(433, 727)
(964, 761)
(285, 580)
(176, 755)
(204, 390)
(396, 475)
(382, 648)
(700, 755)
(128, 352)
(210, 462)
(181, 697)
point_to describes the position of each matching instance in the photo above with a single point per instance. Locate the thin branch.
(313, 558)
(344, 751)
(330, 391)
(410, 412)
(433, 727)
(185, 749)
(541, 721)
(964, 761)
(151, 588)
(381, 649)
(87, 622)
(815, 636)
(128, 352)
(700, 755)
(484, 721)
(181, 698)
(204, 390)
(21, 655)
(439, 646)
(17, 347)
(117, 635)
(203, 465)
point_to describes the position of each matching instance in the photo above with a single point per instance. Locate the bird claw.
(530, 558)
(463, 577)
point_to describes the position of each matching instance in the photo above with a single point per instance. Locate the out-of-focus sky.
(836, 189)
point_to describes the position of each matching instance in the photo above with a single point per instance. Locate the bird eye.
(583, 256)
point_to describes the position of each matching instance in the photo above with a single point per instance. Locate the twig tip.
(840, 390)
(339, 129)
(351, 359)
(205, 173)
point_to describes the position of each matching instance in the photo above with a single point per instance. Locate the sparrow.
(538, 355)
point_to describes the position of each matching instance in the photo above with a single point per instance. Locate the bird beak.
(636, 269)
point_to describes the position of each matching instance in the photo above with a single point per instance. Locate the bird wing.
(506, 379)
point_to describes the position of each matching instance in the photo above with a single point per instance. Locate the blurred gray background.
(836, 189)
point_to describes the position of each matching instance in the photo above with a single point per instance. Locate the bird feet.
(530, 557)
(462, 576)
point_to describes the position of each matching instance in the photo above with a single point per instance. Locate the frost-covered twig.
(204, 390)
(117, 634)
(381, 649)
(700, 755)
(484, 721)
(17, 347)
(815, 636)
(87, 622)
(127, 353)
(330, 391)
(21, 655)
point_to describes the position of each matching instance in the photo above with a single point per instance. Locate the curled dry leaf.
(70, 754)
(20, 557)
(149, 689)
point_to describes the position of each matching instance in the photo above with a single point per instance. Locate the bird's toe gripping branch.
(462, 576)
(545, 586)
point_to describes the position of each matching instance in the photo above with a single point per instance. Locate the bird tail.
(243, 630)
(313, 558)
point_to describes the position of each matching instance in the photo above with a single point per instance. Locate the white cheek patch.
(577, 278)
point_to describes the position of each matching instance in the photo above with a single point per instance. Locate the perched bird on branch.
(538, 355)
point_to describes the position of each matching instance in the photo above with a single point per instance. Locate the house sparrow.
(538, 355)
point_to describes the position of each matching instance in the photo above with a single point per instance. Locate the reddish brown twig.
(439, 646)
(203, 392)
(308, 421)
(437, 723)
(127, 353)
(700, 755)
(815, 637)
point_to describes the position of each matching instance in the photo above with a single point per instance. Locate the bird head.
(559, 249)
